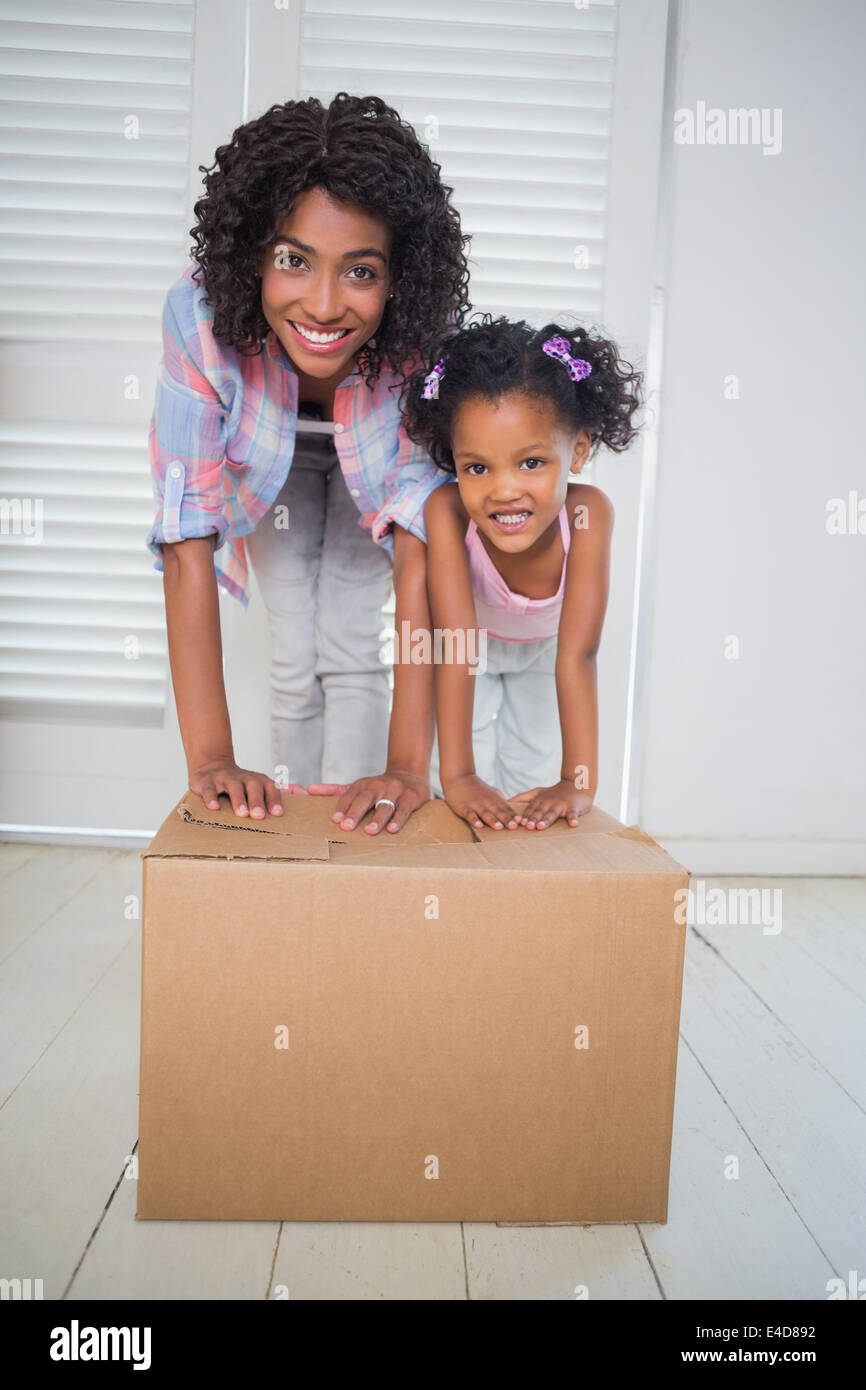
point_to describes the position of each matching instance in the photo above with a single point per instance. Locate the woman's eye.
(368, 273)
(289, 260)
(532, 463)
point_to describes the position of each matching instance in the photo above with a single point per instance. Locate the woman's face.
(325, 282)
(513, 458)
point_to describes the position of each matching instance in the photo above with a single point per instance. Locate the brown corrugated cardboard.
(438, 1025)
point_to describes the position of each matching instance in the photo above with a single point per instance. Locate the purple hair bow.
(577, 367)
(431, 380)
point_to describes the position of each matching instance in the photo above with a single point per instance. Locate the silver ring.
(386, 801)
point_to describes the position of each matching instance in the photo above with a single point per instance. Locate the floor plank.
(798, 989)
(827, 919)
(727, 1238)
(41, 886)
(364, 1261)
(131, 1259)
(52, 971)
(13, 854)
(66, 1131)
(556, 1263)
(810, 1134)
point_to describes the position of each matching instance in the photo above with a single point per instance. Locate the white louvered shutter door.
(95, 117)
(514, 100)
(95, 139)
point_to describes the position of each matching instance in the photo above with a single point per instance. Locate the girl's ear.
(580, 453)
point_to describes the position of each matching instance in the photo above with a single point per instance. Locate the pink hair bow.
(577, 367)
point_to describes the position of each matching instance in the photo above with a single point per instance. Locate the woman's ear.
(580, 452)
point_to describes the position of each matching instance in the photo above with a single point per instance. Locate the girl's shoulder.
(588, 507)
(444, 502)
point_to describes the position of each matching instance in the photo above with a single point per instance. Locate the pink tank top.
(506, 615)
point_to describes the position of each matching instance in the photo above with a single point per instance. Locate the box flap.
(434, 837)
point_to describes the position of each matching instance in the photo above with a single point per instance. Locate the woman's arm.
(580, 625)
(452, 610)
(195, 656)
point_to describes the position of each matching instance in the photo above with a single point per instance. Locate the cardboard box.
(436, 1025)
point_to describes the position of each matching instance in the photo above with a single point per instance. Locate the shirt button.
(356, 492)
(175, 472)
(338, 429)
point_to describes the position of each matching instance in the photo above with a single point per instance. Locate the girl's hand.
(405, 789)
(547, 804)
(479, 804)
(248, 791)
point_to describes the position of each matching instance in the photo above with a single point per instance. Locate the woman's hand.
(407, 790)
(248, 791)
(479, 804)
(548, 804)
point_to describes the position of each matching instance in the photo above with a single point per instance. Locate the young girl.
(515, 551)
(329, 261)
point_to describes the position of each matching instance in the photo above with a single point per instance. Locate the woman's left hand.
(406, 790)
(548, 804)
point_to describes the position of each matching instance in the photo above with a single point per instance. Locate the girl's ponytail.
(606, 397)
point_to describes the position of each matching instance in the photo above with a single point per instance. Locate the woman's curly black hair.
(493, 357)
(359, 151)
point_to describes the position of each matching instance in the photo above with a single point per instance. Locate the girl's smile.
(512, 460)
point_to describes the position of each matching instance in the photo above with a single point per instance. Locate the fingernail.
(393, 826)
(373, 825)
(498, 825)
(277, 810)
(242, 810)
(348, 824)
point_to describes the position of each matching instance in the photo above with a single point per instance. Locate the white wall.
(760, 763)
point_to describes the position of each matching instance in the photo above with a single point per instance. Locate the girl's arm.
(195, 655)
(406, 779)
(452, 609)
(580, 626)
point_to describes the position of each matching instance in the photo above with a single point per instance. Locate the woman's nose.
(323, 301)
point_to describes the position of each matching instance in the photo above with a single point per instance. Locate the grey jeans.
(324, 582)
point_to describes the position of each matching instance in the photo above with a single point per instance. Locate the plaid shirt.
(222, 436)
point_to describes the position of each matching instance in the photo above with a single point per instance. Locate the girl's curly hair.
(494, 357)
(359, 151)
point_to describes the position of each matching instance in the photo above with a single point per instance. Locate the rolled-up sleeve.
(408, 486)
(186, 443)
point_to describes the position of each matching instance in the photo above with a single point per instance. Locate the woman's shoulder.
(188, 336)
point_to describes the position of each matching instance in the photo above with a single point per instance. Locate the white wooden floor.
(771, 1073)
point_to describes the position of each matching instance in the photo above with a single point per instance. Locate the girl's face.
(325, 282)
(513, 458)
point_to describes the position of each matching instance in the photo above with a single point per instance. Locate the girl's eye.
(532, 463)
(470, 468)
(369, 273)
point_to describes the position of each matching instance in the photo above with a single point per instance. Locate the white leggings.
(516, 740)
